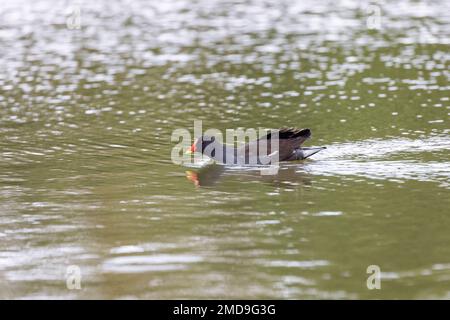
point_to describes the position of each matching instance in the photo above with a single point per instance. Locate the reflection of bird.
(193, 176)
(279, 145)
(206, 176)
(288, 176)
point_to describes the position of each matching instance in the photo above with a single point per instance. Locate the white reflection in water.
(146, 263)
(297, 264)
(370, 159)
(370, 149)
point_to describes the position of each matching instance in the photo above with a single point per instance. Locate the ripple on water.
(149, 263)
(296, 264)
(86, 116)
(373, 159)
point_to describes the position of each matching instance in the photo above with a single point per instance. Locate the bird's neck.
(222, 153)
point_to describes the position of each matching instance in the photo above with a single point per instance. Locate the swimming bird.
(278, 145)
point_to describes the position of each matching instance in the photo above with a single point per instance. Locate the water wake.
(373, 159)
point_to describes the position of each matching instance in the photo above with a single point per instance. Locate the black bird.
(286, 147)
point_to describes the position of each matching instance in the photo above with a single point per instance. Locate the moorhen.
(289, 142)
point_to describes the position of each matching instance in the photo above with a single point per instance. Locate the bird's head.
(200, 144)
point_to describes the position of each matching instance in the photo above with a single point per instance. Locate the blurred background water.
(88, 103)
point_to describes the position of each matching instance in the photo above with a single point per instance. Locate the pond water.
(88, 104)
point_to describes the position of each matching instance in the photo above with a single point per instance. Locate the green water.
(86, 177)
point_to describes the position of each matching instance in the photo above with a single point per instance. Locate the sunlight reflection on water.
(86, 177)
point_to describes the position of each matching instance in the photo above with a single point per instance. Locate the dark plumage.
(289, 142)
(290, 133)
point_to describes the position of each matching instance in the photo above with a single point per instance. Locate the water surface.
(86, 178)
